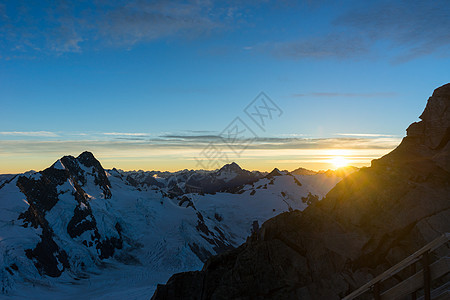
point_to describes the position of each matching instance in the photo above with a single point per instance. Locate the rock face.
(429, 138)
(371, 220)
(43, 192)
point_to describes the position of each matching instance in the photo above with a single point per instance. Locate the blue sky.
(149, 84)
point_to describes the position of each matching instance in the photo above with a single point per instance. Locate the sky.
(169, 85)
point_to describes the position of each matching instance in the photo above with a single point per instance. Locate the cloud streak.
(73, 26)
(365, 135)
(417, 27)
(121, 134)
(409, 29)
(332, 45)
(346, 95)
(28, 134)
(139, 21)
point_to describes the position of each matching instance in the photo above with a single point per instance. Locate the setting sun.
(339, 162)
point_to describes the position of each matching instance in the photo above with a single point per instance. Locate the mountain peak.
(77, 169)
(275, 172)
(303, 171)
(428, 138)
(231, 167)
(442, 91)
(88, 159)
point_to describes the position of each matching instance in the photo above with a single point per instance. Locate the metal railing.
(410, 285)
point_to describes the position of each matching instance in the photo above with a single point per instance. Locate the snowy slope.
(77, 231)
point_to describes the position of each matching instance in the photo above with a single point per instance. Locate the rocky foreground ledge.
(370, 221)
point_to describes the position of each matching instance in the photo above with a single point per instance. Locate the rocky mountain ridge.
(371, 220)
(226, 179)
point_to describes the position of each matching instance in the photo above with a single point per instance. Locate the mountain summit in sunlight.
(371, 220)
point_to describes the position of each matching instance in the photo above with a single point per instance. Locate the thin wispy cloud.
(293, 135)
(28, 134)
(71, 26)
(201, 131)
(409, 29)
(332, 45)
(207, 138)
(417, 27)
(365, 135)
(138, 21)
(347, 95)
(138, 134)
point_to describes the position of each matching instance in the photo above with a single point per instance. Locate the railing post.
(413, 271)
(426, 276)
(376, 291)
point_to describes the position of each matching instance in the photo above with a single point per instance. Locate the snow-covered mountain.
(76, 230)
(227, 179)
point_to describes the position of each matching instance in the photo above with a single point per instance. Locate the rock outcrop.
(371, 220)
(44, 190)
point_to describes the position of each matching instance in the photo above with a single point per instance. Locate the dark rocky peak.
(275, 172)
(41, 188)
(115, 173)
(85, 164)
(233, 167)
(88, 159)
(433, 130)
(43, 193)
(70, 164)
(428, 139)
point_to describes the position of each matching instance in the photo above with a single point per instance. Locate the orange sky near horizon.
(176, 159)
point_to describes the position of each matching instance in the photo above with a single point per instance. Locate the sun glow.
(339, 162)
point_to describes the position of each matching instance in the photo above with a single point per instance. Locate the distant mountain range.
(72, 227)
(230, 178)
